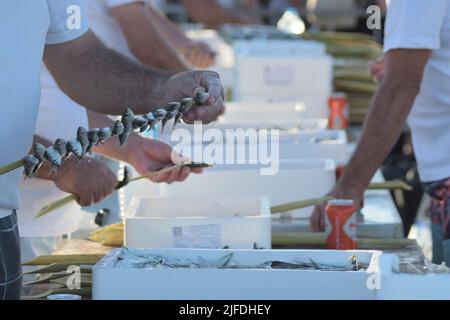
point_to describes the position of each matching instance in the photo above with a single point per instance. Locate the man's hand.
(376, 69)
(387, 115)
(147, 155)
(187, 84)
(199, 55)
(89, 179)
(317, 218)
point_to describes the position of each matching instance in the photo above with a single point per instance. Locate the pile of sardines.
(86, 140)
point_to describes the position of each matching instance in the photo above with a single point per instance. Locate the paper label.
(279, 75)
(206, 236)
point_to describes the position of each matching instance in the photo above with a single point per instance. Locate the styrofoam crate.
(264, 111)
(304, 144)
(295, 180)
(403, 286)
(283, 76)
(110, 282)
(297, 48)
(316, 105)
(282, 125)
(198, 222)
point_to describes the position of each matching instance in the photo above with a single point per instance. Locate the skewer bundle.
(85, 140)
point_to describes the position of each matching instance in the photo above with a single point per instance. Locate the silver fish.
(201, 98)
(74, 146)
(139, 122)
(93, 139)
(127, 120)
(160, 114)
(173, 109)
(30, 162)
(38, 151)
(61, 146)
(82, 136)
(150, 122)
(52, 155)
(104, 134)
(117, 128)
(186, 105)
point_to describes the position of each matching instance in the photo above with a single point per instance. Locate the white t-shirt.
(419, 24)
(106, 27)
(25, 27)
(59, 117)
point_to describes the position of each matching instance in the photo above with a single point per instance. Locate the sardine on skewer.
(61, 146)
(117, 128)
(38, 152)
(127, 120)
(201, 98)
(186, 105)
(82, 136)
(93, 139)
(52, 155)
(74, 146)
(139, 122)
(30, 162)
(104, 134)
(173, 109)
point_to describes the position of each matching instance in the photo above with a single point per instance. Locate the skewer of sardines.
(85, 140)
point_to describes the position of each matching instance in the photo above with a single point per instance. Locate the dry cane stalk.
(10, 167)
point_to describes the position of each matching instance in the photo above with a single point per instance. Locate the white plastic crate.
(403, 286)
(304, 144)
(295, 180)
(264, 111)
(200, 222)
(284, 78)
(110, 282)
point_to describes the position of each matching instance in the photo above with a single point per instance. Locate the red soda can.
(338, 107)
(340, 224)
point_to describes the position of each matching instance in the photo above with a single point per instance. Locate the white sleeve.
(115, 3)
(68, 20)
(414, 24)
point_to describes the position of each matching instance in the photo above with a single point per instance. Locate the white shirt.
(59, 117)
(25, 27)
(419, 24)
(106, 27)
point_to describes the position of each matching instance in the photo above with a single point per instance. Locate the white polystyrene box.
(273, 78)
(111, 283)
(403, 286)
(198, 222)
(295, 180)
(303, 144)
(264, 111)
(297, 48)
(289, 125)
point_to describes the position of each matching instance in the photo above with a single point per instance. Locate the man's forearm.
(385, 121)
(170, 32)
(103, 80)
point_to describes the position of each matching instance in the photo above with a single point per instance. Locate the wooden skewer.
(319, 239)
(10, 167)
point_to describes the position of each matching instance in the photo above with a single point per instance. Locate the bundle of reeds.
(352, 53)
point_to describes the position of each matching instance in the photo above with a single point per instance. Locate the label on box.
(279, 75)
(205, 236)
